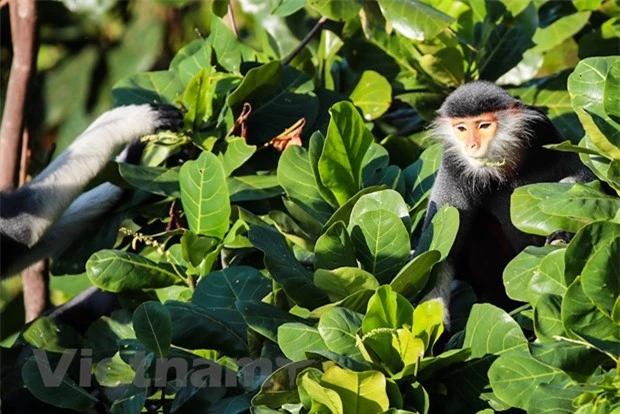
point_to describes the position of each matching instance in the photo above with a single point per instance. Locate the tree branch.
(23, 18)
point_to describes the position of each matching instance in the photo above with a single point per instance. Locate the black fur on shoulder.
(476, 98)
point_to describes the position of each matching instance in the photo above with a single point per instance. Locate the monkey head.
(484, 130)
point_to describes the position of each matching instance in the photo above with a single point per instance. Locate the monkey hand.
(167, 117)
(558, 237)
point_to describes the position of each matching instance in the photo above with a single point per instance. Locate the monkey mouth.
(487, 162)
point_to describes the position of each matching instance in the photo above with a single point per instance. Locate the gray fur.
(39, 218)
(522, 131)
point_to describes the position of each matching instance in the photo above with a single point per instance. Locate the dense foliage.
(267, 247)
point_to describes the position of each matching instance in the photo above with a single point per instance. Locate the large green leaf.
(218, 292)
(520, 271)
(387, 309)
(296, 338)
(151, 322)
(581, 317)
(265, 318)
(344, 281)
(372, 94)
(147, 87)
(235, 154)
(490, 330)
(118, 271)
(253, 187)
(297, 178)
(204, 194)
(296, 280)
(553, 35)
(412, 278)
(415, 19)
(157, 180)
(63, 392)
(361, 392)
(441, 233)
(381, 241)
(420, 176)
(338, 328)
(595, 92)
(515, 374)
(194, 327)
(334, 248)
(346, 143)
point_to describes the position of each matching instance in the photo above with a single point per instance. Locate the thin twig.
(305, 40)
(233, 23)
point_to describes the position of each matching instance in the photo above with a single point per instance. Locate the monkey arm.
(446, 190)
(28, 212)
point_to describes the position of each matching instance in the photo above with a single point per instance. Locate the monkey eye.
(461, 128)
(484, 125)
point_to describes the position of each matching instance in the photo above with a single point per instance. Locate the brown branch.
(25, 158)
(36, 284)
(22, 18)
(305, 40)
(14, 152)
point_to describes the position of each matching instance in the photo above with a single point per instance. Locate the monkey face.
(474, 135)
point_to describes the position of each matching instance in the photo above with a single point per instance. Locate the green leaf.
(564, 28)
(320, 399)
(594, 254)
(338, 328)
(237, 152)
(334, 248)
(385, 200)
(347, 140)
(514, 374)
(412, 278)
(265, 318)
(196, 328)
(381, 241)
(428, 319)
(361, 392)
(295, 339)
(153, 327)
(548, 318)
(490, 330)
(51, 335)
(336, 9)
(372, 94)
(197, 99)
(157, 180)
(344, 281)
(117, 271)
(148, 87)
(219, 290)
(296, 280)
(593, 87)
(414, 19)
(295, 175)
(67, 394)
(420, 176)
(520, 271)
(441, 233)
(539, 208)
(387, 309)
(253, 187)
(577, 360)
(204, 194)
(581, 317)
